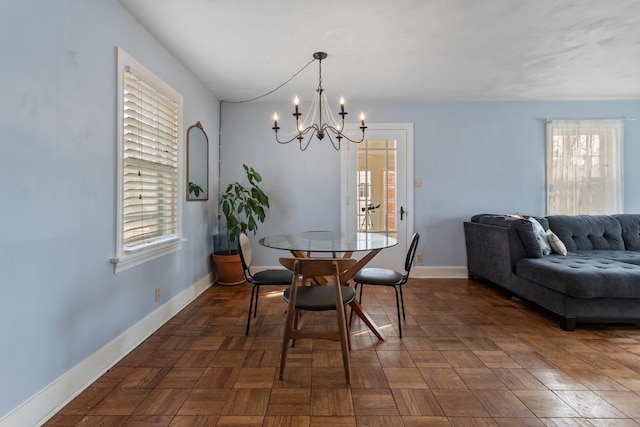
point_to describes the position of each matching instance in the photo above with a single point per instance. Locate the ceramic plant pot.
(228, 268)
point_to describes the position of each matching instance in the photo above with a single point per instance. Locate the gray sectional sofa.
(598, 280)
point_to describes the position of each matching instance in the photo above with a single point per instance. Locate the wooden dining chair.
(303, 296)
(269, 277)
(387, 277)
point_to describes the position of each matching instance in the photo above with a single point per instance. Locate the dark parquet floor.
(470, 356)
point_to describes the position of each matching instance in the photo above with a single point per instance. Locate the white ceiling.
(404, 50)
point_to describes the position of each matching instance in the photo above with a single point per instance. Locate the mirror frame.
(197, 162)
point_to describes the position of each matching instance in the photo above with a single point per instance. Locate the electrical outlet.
(419, 258)
(157, 294)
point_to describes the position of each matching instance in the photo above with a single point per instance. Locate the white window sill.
(125, 261)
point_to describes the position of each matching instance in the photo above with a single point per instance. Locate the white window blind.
(584, 167)
(150, 164)
(148, 211)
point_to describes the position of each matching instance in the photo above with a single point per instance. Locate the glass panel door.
(377, 177)
(376, 183)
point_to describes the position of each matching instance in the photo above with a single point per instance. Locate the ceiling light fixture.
(320, 109)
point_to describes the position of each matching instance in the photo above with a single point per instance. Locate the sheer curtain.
(584, 167)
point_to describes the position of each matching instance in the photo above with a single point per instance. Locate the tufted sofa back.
(588, 232)
(630, 230)
(577, 232)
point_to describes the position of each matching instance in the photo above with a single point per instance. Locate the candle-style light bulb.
(275, 119)
(362, 119)
(341, 104)
(296, 102)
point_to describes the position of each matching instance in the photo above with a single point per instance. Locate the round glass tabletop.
(328, 241)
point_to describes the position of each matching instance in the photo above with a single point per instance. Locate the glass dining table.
(306, 244)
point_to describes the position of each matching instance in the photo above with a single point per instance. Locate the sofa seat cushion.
(630, 257)
(582, 276)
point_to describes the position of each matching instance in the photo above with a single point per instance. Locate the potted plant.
(243, 205)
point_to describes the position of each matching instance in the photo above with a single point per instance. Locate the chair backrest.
(313, 267)
(408, 263)
(246, 255)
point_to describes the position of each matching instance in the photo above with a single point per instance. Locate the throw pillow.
(541, 236)
(555, 243)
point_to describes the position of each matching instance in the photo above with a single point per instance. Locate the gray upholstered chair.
(386, 277)
(271, 277)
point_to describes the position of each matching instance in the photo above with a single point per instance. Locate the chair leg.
(255, 308)
(295, 325)
(288, 326)
(346, 322)
(344, 341)
(395, 288)
(253, 290)
(402, 303)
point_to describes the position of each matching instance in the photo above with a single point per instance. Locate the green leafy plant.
(195, 189)
(243, 205)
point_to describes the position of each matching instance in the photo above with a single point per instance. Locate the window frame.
(126, 258)
(595, 139)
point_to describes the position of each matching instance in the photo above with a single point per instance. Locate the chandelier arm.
(309, 128)
(336, 147)
(299, 134)
(306, 145)
(353, 140)
(343, 134)
(300, 138)
(287, 141)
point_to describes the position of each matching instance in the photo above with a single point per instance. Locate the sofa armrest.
(492, 251)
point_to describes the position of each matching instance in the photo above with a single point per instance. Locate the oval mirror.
(197, 163)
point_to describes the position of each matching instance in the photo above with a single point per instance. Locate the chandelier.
(319, 110)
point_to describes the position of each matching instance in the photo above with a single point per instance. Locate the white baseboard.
(51, 399)
(439, 272)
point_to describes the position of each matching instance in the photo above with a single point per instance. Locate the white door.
(377, 188)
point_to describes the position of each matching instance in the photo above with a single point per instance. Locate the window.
(149, 159)
(584, 167)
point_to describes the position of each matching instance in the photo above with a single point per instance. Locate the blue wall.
(473, 157)
(60, 299)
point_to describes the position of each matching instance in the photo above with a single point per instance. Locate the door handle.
(402, 211)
